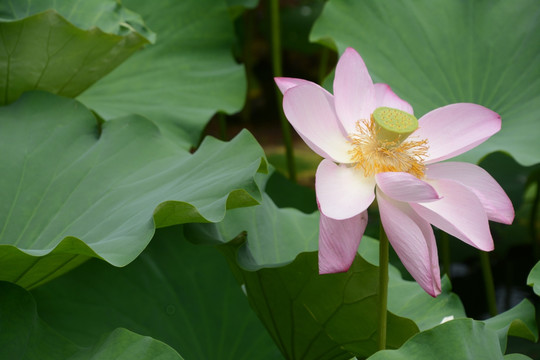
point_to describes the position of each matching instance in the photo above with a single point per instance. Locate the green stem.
(276, 37)
(383, 287)
(488, 281)
(445, 253)
(532, 220)
(247, 59)
(323, 65)
(276, 66)
(222, 126)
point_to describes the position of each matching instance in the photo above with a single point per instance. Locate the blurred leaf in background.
(26, 336)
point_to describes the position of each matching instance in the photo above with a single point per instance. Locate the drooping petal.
(285, 83)
(354, 92)
(413, 240)
(496, 203)
(342, 191)
(403, 186)
(385, 97)
(452, 130)
(459, 212)
(310, 110)
(338, 242)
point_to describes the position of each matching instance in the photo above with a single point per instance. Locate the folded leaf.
(519, 321)
(534, 278)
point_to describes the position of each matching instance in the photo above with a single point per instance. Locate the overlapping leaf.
(322, 317)
(469, 339)
(433, 53)
(66, 49)
(174, 291)
(309, 316)
(25, 336)
(182, 80)
(73, 189)
(519, 321)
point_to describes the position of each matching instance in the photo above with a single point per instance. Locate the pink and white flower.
(413, 189)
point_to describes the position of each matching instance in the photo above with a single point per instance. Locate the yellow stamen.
(375, 154)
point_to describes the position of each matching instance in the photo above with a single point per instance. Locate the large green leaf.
(174, 291)
(437, 52)
(322, 317)
(534, 278)
(43, 49)
(25, 336)
(182, 80)
(455, 340)
(72, 189)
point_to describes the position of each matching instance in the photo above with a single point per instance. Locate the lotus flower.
(374, 147)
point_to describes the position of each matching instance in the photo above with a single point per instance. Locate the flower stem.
(383, 287)
(323, 64)
(222, 126)
(248, 60)
(532, 220)
(445, 253)
(277, 70)
(488, 281)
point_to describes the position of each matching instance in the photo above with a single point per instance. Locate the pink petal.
(385, 97)
(338, 242)
(342, 191)
(413, 240)
(310, 110)
(452, 130)
(285, 83)
(353, 90)
(460, 213)
(405, 187)
(496, 203)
